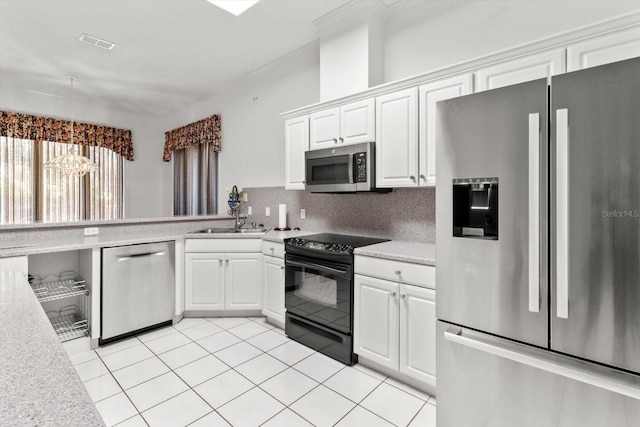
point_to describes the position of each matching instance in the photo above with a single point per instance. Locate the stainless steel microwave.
(342, 169)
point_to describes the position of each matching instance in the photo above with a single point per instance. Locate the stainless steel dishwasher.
(138, 288)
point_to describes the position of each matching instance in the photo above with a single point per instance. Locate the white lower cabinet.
(273, 281)
(243, 278)
(418, 333)
(273, 306)
(204, 281)
(217, 280)
(376, 331)
(394, 327)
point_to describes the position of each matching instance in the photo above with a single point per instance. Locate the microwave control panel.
(360, 160)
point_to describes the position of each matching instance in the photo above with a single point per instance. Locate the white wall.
(252, 153)
(143, 191)
(435, 34)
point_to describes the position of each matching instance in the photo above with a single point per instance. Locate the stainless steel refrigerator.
(538, 252)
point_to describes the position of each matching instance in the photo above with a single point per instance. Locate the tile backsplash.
(404, 214)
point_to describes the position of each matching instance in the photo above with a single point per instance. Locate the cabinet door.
(604, 49)
(520, 70)
(324, 128)
(243, 284)
(397, 139)
(296, 140)
(375, 329)
(428, 96)
(357, 122)
(418, 333)
(273, 272)
(204, 278)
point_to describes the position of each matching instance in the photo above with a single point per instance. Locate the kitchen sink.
(230, 230)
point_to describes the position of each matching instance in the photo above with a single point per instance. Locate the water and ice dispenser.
(475, 208)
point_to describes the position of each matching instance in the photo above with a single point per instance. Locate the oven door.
(330, 170)
(320, 291)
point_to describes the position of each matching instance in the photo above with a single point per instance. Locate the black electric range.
(319, 292)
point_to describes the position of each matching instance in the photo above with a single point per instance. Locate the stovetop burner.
(336, 243)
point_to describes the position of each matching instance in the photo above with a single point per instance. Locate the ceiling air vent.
(95, 41)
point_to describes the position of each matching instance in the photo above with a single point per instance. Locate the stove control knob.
(296, 242)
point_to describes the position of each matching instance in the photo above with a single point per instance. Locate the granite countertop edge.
(40, 386)
(405, 251)
(399, 250)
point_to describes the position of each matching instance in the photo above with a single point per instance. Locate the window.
(194, 180)
(29, 193)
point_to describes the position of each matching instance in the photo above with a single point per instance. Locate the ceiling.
(168, 54)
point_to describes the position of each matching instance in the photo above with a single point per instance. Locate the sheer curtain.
(195, 171)
(17, 183)
(30, 193)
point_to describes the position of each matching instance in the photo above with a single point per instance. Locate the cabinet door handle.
(220, 261)
(403, 296)
(393, 294)
(422, 176)
(335, 140)
(226, 261)
(398, 272)
(413, 178)
(341, 140)
(282, 267)
(272, 249)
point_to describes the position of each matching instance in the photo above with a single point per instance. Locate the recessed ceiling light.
(95, 41)
(235, 7)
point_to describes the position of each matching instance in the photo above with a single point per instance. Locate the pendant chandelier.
(71, 163)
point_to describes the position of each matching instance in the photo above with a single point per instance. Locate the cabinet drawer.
(222, 245)
(273, 249)
(397, 271)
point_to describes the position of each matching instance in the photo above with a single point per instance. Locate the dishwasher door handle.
(126, 257)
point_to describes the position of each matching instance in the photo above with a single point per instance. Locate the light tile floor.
(240, 372)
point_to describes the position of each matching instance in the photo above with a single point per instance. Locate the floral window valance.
(25, 126)
(205, 131)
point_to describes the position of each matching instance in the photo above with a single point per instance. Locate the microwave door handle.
(316, 266)
(352, 179)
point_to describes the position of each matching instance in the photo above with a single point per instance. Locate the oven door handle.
(316, 266)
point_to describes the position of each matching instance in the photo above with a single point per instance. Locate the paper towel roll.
(282, 216)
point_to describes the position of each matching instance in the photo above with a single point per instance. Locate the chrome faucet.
(239, 222)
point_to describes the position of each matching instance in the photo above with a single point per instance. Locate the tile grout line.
(157, 355)
(255, 385)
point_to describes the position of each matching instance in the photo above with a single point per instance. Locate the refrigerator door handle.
(562, 213)
(577, 370)
(534, 212)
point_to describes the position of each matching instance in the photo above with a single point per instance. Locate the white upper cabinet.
(602, 50)
(296, 139)
(324, 128)
(428, 95)
(397, 139)
(348, 124)
(357, 122)
(520, 70)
